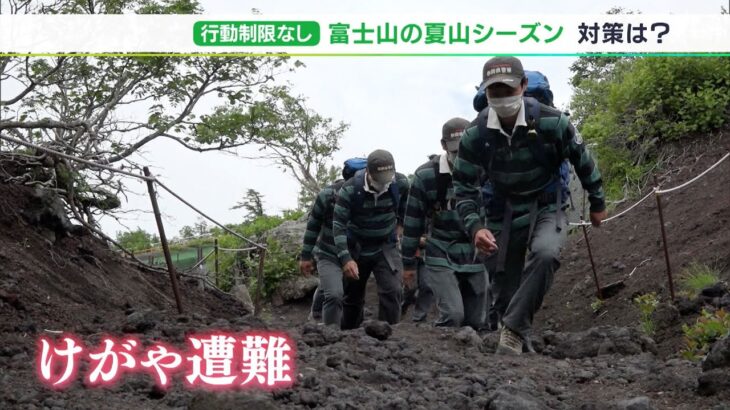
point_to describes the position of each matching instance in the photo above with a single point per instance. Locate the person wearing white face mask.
(368, 213)
(519, 145)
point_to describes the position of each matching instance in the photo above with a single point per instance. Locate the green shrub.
(233, 263)
(631, 106)
(647, 304)
(696, 277)
(700, 336)
(278, 266)
(597, 305)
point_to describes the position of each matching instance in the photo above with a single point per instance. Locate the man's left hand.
(598, 217)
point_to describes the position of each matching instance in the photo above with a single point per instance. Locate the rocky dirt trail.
(584, 361)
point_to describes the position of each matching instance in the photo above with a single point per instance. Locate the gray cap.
(381, 166)
(505, 70)
(451, 132)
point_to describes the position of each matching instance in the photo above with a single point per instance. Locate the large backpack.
(352, 165)
(558, 166)
(538, 87)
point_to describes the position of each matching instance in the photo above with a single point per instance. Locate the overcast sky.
(393, 103)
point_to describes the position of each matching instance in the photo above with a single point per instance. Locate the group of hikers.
(477, 231)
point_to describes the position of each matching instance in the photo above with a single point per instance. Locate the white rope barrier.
(238, 250)
(225, 228)
(656, 191)
(664, 191)
(617, 215)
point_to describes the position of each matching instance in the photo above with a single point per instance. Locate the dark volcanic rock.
(232, 401)
(319, 335)
(509, 398)
(141, 321)
(713, 381)
(598, 341)
(665, 316)
(715, 291)
(637, 403)
(719, 355)
(377, 329)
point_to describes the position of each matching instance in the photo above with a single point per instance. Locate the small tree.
(252, 203)
(107, 109)
(201, 227)
(286, 131)
(136, 240)
(187, 232)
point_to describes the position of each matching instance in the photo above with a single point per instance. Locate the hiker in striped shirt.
(454, 273)
(519, 144)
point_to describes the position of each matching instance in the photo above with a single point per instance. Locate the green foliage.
(597, 305)
(187, 232)
(137, 240)
(325, 176)
(232, 264)
(278, 266)
(629, 107)
(296, 138)
(647, 304)
(700, 336)
(252, 203)
(696, 277)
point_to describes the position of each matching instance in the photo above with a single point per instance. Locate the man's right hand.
(485, 242)
(350, 270)
(306, 267)
(409, 278)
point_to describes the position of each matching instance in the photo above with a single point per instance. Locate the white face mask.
(506, 106)
(379, 188)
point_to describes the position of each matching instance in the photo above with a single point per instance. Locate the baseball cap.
(451, 132)
(381, 166)
(505, 70)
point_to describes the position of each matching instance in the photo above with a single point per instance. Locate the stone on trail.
(378, 329)
(637, 403)
(232, 401)
(598, 341)
(141, 321)
(719, 355)
(714, 381)
(297, 288)
(508, 398)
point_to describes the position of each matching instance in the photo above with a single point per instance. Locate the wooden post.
(593, 265)
(216, 262)
(259, 283)
(163, 240)
(664, 237)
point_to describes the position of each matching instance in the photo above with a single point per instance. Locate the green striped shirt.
(373, 224)
(516, 173)
(319, 225)
(447, 245)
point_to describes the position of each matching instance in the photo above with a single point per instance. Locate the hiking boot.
(510, 343)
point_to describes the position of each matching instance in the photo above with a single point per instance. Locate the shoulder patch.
(578, 137)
